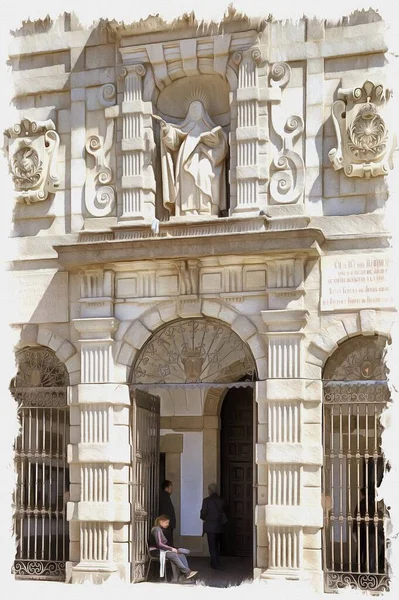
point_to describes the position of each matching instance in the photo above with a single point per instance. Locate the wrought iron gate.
(43, 477)
(354, 540)
(145, 425)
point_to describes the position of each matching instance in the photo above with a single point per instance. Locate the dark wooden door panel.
(237, 471)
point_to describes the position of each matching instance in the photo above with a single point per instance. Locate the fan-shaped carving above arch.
(211, 90)
(359, 358)
(39, 367)
(191, 351)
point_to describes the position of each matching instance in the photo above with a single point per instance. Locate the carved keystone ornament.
(32, 148)
(365, 145)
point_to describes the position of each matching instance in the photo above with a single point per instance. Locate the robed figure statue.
(193, 161)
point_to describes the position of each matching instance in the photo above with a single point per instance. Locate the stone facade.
(280, 212)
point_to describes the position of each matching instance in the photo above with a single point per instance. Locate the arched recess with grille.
(40, 525)
(355, 395)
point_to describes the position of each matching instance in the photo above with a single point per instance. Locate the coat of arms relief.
(32, 148)
(365, 145)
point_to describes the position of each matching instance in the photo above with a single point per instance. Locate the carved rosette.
(364, 144)
(287, 180)
(32, 147)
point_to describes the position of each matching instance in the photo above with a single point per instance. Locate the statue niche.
(193, 156)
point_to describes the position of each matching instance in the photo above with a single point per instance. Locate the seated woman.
(159, 547)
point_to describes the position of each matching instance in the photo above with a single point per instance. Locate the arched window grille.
(40, 524)
(355, 395)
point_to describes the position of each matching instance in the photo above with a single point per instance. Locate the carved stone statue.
(193, 160)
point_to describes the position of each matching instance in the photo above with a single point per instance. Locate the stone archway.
(193, 350)
(178, 358)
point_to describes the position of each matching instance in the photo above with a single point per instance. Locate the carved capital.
(365, 145)
(32, 147)
(138, 70)
(237, 58)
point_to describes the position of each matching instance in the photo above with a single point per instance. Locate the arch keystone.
(367, 321)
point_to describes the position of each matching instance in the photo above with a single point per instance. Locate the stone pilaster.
(288, 455)
(138, 181)
(247, 194)
(100, 452)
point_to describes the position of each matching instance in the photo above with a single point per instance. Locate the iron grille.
(354, 540)
(42, 489)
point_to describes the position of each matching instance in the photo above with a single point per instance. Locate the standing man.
(213, 515)
(166, 508)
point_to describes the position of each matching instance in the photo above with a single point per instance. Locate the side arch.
(65, 351)
(365, 323)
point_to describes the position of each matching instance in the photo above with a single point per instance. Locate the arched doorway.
(236, 469)
(355, 394)
(192, 364)
(40, 524)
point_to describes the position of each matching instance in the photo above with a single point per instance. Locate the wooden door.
(237, 471)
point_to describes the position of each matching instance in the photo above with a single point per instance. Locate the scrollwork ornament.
(108, 94)
(31, 148)
(287, 182)
(256, 55)
(103, 202)
(365, 145)
(280, 75)
(95, 147)
(237, 58)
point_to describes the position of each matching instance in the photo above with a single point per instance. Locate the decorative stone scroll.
(32, 148)
(365, 145)
(99, 195)
(287, 178)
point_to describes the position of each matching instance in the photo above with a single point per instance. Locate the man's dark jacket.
(166, 507)
(212, 514)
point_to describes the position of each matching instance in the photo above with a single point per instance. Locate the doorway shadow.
(236, 570)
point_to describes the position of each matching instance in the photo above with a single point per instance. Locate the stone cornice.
(267, 242)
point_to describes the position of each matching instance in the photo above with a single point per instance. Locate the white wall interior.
(191, 483)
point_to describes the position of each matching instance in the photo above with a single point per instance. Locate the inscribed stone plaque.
(39, 297)
(354, 281)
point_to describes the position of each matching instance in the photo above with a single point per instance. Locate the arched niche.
(355, 395)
